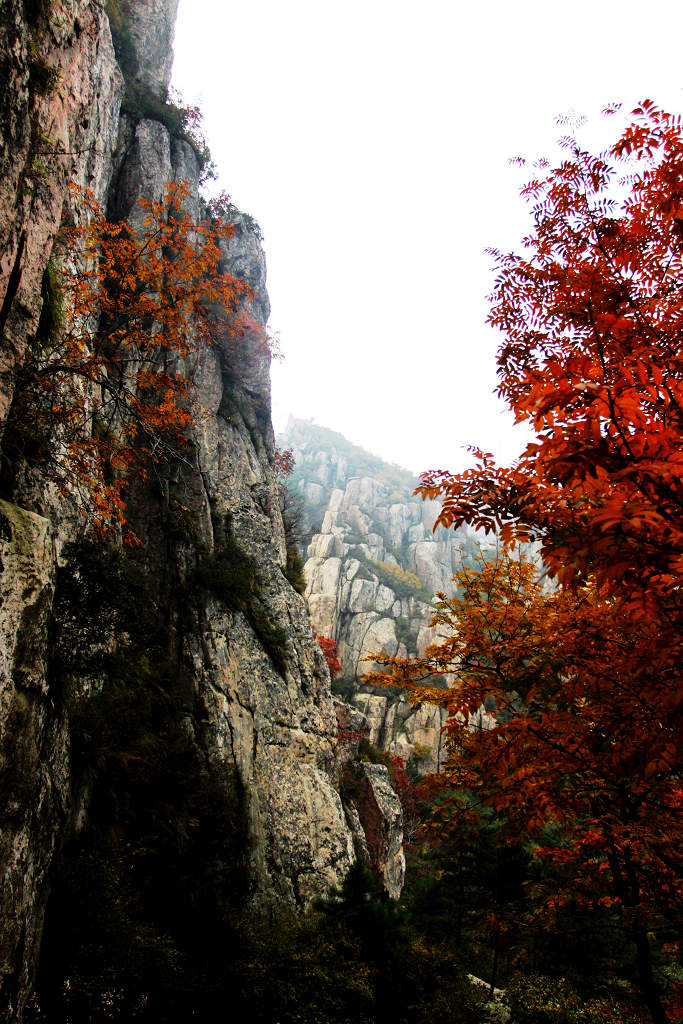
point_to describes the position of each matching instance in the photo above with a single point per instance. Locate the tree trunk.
(647, 981)
(627, 888)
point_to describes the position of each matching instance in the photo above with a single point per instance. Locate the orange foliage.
(329, 649)
(283, 463)
(110, 390)
(585, 674)
(587, 709)
(592, 318)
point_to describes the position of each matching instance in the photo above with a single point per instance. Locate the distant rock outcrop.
(374, 565)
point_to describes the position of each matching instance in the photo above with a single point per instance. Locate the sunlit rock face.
(374, 564)
(255, 707)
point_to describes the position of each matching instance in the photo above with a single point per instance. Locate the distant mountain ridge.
(325, 459)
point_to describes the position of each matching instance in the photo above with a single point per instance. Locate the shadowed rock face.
(260, 712)
(33, 744)
(59, 116)
(373, 810)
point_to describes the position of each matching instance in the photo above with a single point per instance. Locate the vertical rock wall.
(34, 788)
(61, 89)
(261, 709)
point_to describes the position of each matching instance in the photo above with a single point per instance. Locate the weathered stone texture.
(34, 780)
(361, 520)
(51, 133)
(267, 715)
(379, 810)
(152, 25)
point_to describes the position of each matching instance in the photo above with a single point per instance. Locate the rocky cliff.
(373, 567)
(199, 690)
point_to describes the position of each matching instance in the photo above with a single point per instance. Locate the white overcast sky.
(370, 140)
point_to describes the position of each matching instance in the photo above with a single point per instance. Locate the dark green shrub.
(100, 597)
(352, 783)
(405, 634)
(140, 102)
(538, 999)
(231, 576)
(362, 573)
(294, 570)
(272, 636)
(124, 47)
(228, 573)
(180, 523)
(37, 10)
(402, 582)
(373, 755)
(344, 687)
(353, 539)
(43, 77)
(606, 1010)
(51, 322)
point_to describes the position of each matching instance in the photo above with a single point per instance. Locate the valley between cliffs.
(197, 822)
(373, 567)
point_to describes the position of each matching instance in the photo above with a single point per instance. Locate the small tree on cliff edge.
(592, 319)
(293, 511)
(102, 393)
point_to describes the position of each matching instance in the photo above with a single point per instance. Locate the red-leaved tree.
(102, 394)
(329, 649)
(585, 674)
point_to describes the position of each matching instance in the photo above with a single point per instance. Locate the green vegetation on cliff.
(404, 583)
(358, 463)
(141, 102)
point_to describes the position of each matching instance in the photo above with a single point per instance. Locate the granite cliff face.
(62, 91)
(374, 564)
(252, 703)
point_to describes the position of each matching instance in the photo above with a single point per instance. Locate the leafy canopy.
(584, 673)
(108, 389)
(591, 315)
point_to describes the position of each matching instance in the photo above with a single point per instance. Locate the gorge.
(373, 566)
(282, 738)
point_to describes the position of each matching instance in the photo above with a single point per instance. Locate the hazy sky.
(370, 140)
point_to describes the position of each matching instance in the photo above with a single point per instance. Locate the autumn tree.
(584, 668)
(330, 653)
(293, 512)
(103, 391)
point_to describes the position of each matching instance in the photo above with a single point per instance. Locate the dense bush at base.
(114, 952)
